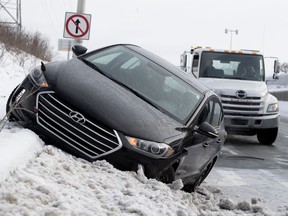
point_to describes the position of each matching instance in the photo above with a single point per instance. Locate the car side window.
(211, 113)
(217, 114)
(205, 114)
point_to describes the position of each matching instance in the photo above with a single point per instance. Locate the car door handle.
(205, 145)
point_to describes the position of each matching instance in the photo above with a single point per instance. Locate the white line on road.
(282, 163)
(284, 184)
(229, 150)
(267, 173)
(230, 178)
(274, 178)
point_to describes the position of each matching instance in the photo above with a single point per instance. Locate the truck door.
(195, 65)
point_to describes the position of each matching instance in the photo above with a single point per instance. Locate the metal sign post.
(65, 45)
(76, 26)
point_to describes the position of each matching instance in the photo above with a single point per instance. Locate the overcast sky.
(168, 27)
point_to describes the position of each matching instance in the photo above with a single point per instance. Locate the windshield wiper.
(183, 129)
(237, 78)
(122, 84)
(138, 94)
(93, 66)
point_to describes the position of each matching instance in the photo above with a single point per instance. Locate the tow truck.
(238, 77)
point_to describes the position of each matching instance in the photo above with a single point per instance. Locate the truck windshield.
(232, 66)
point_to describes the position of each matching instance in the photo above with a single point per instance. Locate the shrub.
(18, 40)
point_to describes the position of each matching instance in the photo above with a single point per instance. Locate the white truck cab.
(238, 77)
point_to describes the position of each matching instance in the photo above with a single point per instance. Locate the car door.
(212, 146)
(196, 146)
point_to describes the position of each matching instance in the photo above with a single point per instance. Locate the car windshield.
(146, 79)
(232, 66)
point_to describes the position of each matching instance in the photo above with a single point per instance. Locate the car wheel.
(10, 115)
(191, 187)
(168, 176)
(267, 136)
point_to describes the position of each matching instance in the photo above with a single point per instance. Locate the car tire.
(168, 176)
(267, 136)
(191, 187)
(11, 117)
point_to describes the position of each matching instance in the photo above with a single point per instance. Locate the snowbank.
(56, 183)
(17, 146)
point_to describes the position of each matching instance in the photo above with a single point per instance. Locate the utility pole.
(80, 10)
(231, 31)
(12, 9)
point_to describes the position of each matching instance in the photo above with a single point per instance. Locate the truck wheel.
(267, 136)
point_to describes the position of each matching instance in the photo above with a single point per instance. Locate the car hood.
(105, 101)
(230, 86)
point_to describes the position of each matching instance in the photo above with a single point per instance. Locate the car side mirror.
(79, 50)
(208, 130)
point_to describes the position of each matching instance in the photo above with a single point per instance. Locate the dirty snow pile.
(37, 179)
(56, 183)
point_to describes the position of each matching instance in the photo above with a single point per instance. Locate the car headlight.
(154, 149)
(273, 107)
(38, 77)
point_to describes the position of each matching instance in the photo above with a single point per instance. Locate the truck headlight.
(38, 77)
(273, 107)
(154, 149)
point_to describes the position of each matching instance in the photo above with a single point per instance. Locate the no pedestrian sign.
(77, 26)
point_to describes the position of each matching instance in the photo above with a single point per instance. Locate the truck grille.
(70, 126)
(250, 106)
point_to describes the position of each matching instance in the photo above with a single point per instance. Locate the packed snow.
(38, 179)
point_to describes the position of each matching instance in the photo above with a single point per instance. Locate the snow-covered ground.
(42, 180)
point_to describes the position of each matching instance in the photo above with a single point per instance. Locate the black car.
(125, 105)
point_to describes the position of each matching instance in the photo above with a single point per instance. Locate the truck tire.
(267, 136)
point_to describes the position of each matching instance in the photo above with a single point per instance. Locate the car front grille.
(81, 133)
(249, 107)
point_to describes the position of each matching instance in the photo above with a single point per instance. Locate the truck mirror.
(183, 60)
(276, 66)
(275, 76)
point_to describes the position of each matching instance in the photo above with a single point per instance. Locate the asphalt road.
(247, 169)
(246, 153)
